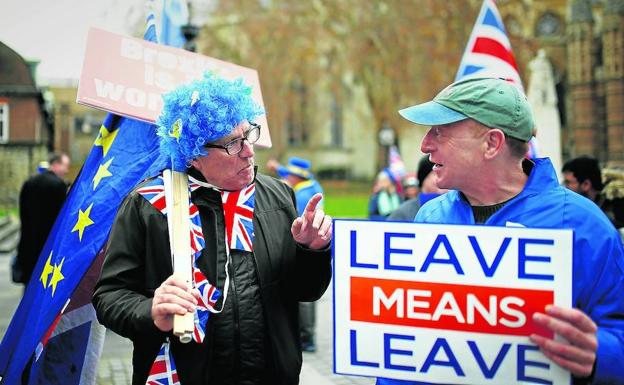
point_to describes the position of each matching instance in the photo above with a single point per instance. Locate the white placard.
(446, 303)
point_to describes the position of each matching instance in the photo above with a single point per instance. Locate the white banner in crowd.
(445, 303)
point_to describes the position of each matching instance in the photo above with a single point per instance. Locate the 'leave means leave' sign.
(447, 304)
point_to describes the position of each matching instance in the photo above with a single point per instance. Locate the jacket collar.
(542, 177)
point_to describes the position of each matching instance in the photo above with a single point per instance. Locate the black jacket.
(138, 261)
(40, 201)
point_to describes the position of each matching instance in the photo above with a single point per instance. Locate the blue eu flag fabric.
(121, 156)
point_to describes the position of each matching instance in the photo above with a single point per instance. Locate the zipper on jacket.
(236, 320)
(267, 325)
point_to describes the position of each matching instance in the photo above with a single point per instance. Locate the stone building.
(585, 43)
(26, 126)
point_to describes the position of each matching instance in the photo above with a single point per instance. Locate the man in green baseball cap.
(464, 114)
(494, 103)
(480, 128)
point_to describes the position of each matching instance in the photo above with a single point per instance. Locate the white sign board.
(445, 303)
(127, 76)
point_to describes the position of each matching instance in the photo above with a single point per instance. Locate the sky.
(55, 32)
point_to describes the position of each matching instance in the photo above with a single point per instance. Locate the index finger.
(313, 202)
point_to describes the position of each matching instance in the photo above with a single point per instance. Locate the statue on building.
(541, 89)
(542, 97)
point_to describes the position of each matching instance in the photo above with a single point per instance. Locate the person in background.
(298, 175)
(272, 165)
(384, 199)
(410, 187)
(583, 176)
(40, 201)
(43, 166)
(478, 139)
(426, 189)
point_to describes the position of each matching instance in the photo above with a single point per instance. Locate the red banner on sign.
(481, 309)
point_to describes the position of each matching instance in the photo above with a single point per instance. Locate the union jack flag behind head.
(163, 371)
(488, 52)
(238, 208)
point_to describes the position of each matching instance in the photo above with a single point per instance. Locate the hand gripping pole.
(178, 221)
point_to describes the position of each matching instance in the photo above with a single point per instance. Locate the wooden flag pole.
(177, 200)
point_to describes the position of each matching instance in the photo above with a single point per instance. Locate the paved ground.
(115, 364)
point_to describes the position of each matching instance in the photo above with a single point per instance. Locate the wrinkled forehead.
(237, 132)
(464, 125)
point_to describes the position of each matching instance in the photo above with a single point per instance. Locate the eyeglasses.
(235, 146)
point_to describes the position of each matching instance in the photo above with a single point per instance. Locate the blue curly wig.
(201, 112)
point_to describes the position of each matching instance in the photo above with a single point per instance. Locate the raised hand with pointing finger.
(313, 228)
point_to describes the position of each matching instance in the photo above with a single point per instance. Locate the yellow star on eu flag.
(105, 139)
(57, 276)
(83, 221)
(47, 269)
(102, 173)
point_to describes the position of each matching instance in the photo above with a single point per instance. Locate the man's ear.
(585, 186)
(494, 143)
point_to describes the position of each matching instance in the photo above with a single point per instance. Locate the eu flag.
(121, 157)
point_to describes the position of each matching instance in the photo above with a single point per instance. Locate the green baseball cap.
(495, 103)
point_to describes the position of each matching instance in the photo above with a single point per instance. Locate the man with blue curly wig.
(254, 258)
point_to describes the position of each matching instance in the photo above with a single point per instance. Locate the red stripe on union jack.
(209, 295)
(163, 371)
(238, 208)
(197, 235)
(488, 52)
(488, 46)
(154, 192)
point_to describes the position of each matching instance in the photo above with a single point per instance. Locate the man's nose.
(426, 144)
(248, 150)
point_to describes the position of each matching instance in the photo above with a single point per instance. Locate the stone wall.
(18, 163)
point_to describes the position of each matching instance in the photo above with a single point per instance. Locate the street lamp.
(386, 138)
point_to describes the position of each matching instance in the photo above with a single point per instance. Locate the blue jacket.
(598, 256)
(304, 191)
